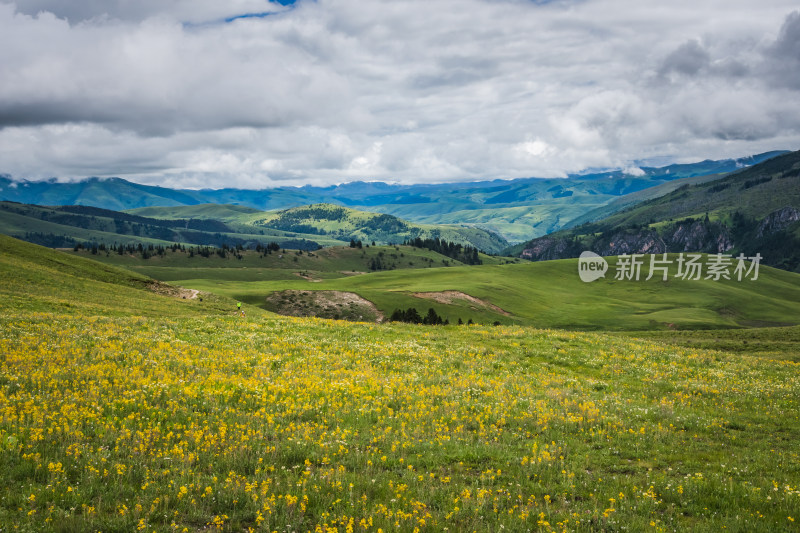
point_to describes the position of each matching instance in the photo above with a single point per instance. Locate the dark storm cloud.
(689, 58)
(783, 57)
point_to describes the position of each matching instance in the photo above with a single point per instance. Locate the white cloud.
(634, 171)
(187, 94)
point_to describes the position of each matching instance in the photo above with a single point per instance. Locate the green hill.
(254, 265)
(342, 222)
(216, 225)
(630, 200)
(754, 192)
(755, 210)
(66, 226)
(222, 212)
(36, 279)
(544, 294)
(332, 222)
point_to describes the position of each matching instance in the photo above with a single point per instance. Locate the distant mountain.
(755, 210)
(216, 225)
(517, 209)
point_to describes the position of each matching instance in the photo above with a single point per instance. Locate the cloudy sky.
(252, 93)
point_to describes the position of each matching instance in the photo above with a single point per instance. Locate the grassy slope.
(696, 200)
(38, 279)
(774, 343)
(629, 200)
(342, 222)
(545, 294)
(515, 223)
(241, 279)
(223, 212)
(17, 225)
(183, 418)
(103, 229)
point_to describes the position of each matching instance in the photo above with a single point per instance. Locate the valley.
(137, 395)
(488, 266)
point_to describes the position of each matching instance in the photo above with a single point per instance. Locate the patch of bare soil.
(449, 297)
(338, 305)
(170, 290)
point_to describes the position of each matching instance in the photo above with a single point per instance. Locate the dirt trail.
(176, 292)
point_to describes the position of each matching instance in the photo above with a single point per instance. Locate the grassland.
(138, 410)
(773, 343)
(544, 294)
(337, 261)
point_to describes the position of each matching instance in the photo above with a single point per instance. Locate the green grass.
(719, 198)
(544, 294)
(332, 221)
(773, 343)
(517, 223)
(337, 261)
(37, 279)
(132, 410)
(173, 416)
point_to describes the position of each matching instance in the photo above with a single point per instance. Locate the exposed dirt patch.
(324, 304)
(170, 290)
(449, 297)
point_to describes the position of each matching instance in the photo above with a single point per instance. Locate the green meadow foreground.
(125, 406)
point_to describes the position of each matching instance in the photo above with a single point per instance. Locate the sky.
(259, 94)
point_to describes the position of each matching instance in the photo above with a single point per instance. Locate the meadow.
(181, 424)
(140, 410)
(547, 294)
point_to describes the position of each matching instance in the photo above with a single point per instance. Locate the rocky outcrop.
(638, 242)
(548, 248)
(774, 237)
(685, 236)
(778, 221)
(699, 236)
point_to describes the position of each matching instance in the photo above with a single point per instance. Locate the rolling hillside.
(756, 210)
(334, 222)
(517, 209)
(67, 226)
(304, 228)
(545, 294)
(36, 279)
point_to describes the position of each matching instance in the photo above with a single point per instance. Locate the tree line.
(412, 316)
(464, 253)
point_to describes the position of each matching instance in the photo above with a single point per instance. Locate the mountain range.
(517, 210)
(754, 210)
